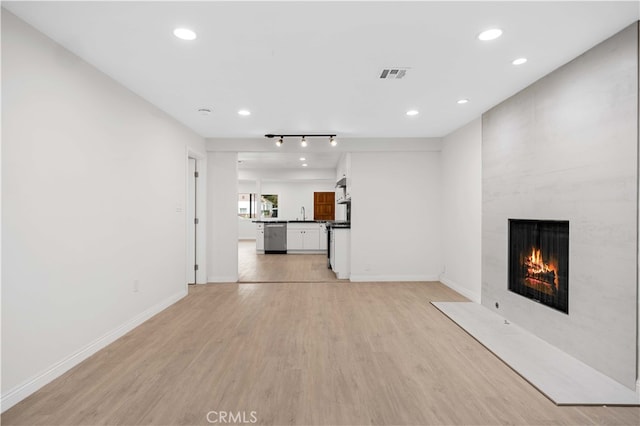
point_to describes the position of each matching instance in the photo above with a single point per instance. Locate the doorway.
(192, 221)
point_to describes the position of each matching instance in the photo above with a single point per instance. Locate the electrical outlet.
(136, 286)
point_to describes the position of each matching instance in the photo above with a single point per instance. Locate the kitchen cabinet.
(343, 185)
(295, 239)
(304, 237)
(340, 255)
(324, 205)
(260, 237)
(323, 237)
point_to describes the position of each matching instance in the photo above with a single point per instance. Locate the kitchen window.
(248, 205)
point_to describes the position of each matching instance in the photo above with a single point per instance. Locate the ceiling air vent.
(393, 73)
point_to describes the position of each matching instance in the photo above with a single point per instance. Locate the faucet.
(304, 213)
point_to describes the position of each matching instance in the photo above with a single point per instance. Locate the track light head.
(303, 141)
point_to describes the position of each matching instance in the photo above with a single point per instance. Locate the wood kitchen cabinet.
(324, 204)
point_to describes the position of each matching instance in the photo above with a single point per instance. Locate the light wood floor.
(254, 268)
(301, 353)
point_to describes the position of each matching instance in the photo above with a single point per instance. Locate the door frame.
(201, 214)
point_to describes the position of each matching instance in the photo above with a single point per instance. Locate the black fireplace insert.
(539, 261)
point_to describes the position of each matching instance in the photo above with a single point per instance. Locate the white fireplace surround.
(566, 148)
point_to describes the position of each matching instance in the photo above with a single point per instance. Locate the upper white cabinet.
(343, 179)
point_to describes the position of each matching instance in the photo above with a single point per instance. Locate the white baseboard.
(222, 279)
(20, 392)
(384, 278)
(458, 288)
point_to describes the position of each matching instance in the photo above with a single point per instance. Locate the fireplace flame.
(535, 263)
(538, 270)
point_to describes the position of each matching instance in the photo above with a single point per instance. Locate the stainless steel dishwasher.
(275, 238)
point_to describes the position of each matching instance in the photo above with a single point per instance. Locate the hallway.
(253, 267)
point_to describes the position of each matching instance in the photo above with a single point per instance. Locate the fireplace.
(539, 261)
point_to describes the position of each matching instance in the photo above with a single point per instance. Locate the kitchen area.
(295, 243)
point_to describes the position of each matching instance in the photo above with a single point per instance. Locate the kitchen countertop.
(289, 221)
(330, 223)
(339, 225)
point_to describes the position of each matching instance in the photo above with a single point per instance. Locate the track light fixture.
(303, 142)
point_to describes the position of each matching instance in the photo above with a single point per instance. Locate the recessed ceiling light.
(184, 34)
(519, 61)
(412, 112)
(491, 34)
(302, 159)
(244, 112)
(304, 164)
(463, 101)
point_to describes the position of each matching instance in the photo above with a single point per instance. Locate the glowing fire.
(540, 272)
(535, 263)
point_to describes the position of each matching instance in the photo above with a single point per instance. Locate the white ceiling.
(313, 67)
(288, 160)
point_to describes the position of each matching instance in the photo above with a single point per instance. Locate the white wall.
(293, 195)
(93, 196)
(246, 227)
(395, 218)
(566, 148)
(302, 174)
(461, 210)
(222, 216)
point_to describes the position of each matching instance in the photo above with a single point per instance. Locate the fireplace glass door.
(539, 261)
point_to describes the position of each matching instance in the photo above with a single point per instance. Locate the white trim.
(383, 278)
(201, 213)
(222, 279)
(474, 297)
(20, 392)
